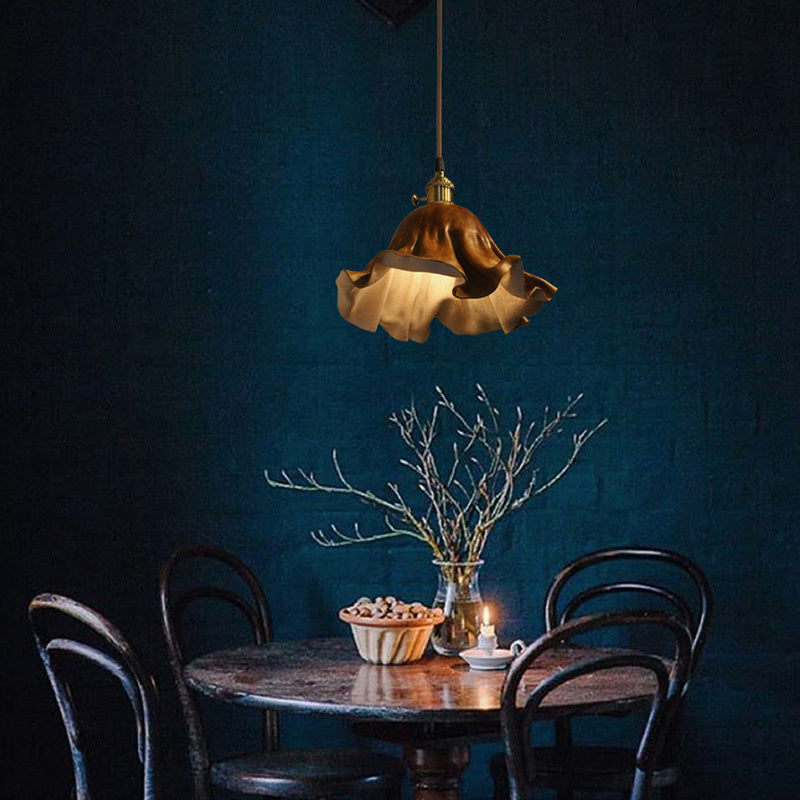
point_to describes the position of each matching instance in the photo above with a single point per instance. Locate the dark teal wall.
(183, 182)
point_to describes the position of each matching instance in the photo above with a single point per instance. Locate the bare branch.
(340, 539)
(468, 485)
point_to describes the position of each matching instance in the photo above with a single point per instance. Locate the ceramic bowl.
(390, 641)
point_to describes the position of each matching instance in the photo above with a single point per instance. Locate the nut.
(390, 608)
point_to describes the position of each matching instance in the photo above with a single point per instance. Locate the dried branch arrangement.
(468, 487)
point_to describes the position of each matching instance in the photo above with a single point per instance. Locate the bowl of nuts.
(389, 631)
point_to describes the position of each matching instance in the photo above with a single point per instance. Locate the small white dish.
(496, 659)
(482, 659)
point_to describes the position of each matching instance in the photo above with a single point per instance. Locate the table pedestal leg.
(436, 771)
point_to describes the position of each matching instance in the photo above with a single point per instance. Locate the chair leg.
(500, 783)
(563, 737)
(394, 792)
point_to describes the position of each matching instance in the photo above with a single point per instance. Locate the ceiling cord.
(438, 79)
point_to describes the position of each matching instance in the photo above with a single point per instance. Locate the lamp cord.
(438, 80)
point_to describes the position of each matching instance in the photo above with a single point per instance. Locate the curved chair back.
(669, 683)
(115, 656)
(174, 605)
(695, 613)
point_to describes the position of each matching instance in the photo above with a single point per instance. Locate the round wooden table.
(434, 707)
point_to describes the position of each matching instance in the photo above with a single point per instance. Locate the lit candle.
(487, 639)
(486, 628)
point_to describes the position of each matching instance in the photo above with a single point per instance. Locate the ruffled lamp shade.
(441, 264)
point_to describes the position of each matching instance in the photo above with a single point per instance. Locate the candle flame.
(486, 615)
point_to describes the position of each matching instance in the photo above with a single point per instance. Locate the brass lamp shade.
(441, 263)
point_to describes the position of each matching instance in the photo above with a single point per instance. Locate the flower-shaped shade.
(441, 263)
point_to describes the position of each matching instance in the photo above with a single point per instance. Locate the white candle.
(487, 639)
(486, 628)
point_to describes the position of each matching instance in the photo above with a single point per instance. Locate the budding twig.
(488, 475)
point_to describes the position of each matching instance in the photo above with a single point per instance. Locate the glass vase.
(459, 596)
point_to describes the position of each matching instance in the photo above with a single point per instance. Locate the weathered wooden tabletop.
(327, 676)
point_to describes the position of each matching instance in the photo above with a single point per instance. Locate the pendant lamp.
(440, 264)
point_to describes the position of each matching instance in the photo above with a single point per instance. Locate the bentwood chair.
(618, 572)
(524, 767)
(307, 773)
(101, 646)
(628, 578)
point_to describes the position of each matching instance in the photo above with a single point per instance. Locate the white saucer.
(480, 659)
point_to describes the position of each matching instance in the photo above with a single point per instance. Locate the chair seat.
(585, 768)
(307, 773)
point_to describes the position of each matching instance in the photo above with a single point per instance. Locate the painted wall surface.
(184, 181)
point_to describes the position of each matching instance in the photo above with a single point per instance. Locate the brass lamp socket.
(439, 189)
